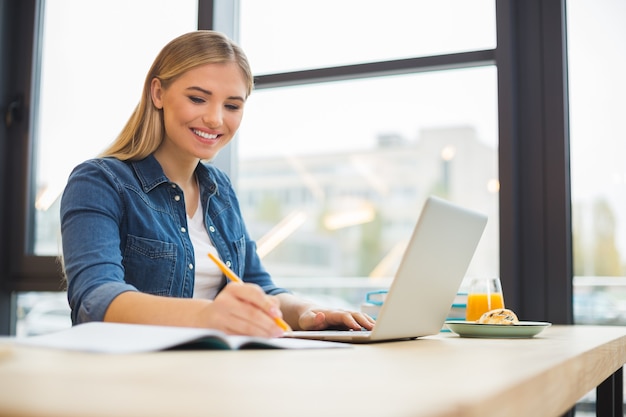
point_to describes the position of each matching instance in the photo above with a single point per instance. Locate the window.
(526, 32)
(283, 35)
(332, 175)
(597, 60)
(91, 80)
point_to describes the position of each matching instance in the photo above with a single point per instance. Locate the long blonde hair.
(145, 130)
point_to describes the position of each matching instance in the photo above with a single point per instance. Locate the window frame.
(535, 204)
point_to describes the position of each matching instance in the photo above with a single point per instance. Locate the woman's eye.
(233, 107)
(196, 99)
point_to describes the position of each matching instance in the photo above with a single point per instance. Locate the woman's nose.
(213, 117)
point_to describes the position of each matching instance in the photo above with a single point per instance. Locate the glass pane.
(41, 313)
(597, 62)
(286, 35)
(93, 64)
(332, 176)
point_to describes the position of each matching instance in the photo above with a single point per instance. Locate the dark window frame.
(535, 213)
(535, 194)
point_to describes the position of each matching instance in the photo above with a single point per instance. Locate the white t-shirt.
(209, 278)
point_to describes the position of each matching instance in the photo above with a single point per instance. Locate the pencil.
(234, 278)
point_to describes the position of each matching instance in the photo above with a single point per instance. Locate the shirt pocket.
(150, 265)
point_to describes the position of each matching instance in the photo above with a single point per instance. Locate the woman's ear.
(156, 91)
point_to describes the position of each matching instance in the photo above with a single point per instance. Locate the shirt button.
(212, 229)
(176, 198)
(228, 264)
(182, 229)
(190, 266)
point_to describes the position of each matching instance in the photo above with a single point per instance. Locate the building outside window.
(332, 175)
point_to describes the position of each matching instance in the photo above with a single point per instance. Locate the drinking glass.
(484, 294)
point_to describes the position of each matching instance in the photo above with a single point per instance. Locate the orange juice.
(477, 304)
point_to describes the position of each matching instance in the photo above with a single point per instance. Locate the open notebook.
(100, 337)
(427, 280)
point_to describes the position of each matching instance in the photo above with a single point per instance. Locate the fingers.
(356, 320)
(312, 320)
(246, 309)
(366, 321)
(318, 319)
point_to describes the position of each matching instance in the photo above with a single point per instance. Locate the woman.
(138, 223)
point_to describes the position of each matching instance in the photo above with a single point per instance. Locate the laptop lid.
(431, 271)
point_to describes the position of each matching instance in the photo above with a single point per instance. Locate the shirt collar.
(149, 172)
(151, 175)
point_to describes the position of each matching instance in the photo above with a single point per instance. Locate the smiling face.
(202, 110)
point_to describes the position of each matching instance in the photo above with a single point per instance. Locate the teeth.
(204, 135)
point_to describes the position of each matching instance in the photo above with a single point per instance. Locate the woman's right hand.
(243, 309)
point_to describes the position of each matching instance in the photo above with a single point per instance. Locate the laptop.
(429, 276)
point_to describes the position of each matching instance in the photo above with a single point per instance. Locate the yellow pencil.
(234, 278)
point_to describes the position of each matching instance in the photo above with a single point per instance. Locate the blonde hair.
(144, 131)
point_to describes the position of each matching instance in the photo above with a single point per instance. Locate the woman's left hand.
(321, 319)
(304, 315)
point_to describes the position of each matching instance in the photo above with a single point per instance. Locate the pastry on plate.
(499, 316)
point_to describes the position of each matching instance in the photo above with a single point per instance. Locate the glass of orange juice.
(484, 294)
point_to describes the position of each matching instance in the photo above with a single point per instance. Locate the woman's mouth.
(205, 135)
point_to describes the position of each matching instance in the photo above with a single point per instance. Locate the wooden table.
(438, 376)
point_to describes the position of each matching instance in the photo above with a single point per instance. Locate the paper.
(104, 337)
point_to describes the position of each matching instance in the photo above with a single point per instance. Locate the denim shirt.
(124, 228)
